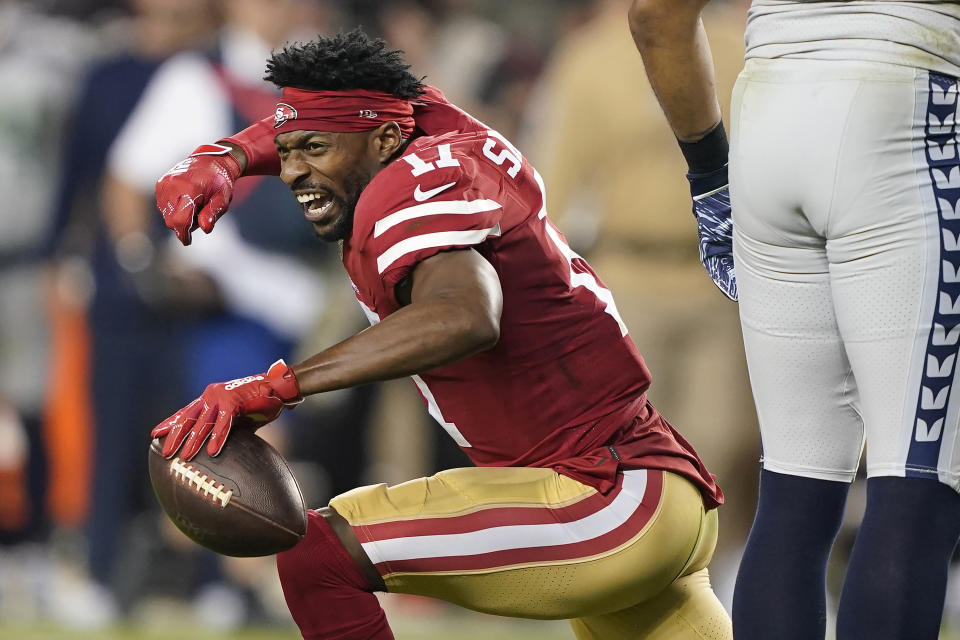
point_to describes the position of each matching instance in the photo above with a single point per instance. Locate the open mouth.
(316, 204)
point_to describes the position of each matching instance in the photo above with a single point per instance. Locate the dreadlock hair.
(346, 61)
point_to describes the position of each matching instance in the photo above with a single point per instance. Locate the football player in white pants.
(844, 179)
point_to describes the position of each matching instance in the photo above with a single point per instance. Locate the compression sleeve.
(257, 143)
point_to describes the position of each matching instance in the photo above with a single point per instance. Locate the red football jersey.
(565, 385)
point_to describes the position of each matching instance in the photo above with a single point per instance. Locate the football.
(244, 502)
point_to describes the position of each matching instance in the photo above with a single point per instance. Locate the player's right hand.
(711, 207)
(196, 191)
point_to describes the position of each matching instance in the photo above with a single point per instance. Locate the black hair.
(345, 61)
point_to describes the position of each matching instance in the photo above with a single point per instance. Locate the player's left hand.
(711, 207)
(249, 402)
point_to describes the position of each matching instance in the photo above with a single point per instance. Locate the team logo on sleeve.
(283, 113)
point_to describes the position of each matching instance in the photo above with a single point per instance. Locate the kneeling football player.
(585, 504)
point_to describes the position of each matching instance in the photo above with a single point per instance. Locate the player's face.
(327, 172)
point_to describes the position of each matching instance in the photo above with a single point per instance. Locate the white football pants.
(845, 182)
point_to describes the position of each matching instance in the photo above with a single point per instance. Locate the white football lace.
(198, 482)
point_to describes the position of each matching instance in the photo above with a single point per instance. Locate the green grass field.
(411, 619)
(432, 631)
(446, 625)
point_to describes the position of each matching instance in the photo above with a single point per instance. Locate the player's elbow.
(651, 20)
(486, 332)
(642, 16)
(479, 328)
(481, 308)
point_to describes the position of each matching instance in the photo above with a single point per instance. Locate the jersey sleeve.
(412, 217)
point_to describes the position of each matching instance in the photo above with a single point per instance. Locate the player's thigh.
(530, 542)
(895, 264)
(803, 387)
(686, 610)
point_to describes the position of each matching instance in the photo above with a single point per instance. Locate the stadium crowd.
(106, 322)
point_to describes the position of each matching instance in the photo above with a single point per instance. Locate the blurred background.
(107, 326)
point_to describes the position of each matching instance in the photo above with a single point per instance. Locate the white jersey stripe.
(434, 410)
(427, 240)
(441, 207)
(528, 536)
(578, 278)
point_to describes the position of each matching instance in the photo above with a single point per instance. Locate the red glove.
(197, 190)
(249, 402)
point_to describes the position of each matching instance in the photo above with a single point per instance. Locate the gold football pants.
(532, 543)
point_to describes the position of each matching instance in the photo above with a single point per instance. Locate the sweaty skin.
(453, 300)
(676, 55)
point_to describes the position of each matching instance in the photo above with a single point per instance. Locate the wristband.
(709, 153)
(217, 149)
(284, 383)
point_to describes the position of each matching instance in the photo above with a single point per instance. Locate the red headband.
(341, 111)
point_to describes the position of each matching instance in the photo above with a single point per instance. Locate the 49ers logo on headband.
(283, 113)
(342, 111)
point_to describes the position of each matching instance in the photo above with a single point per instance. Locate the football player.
(845, 181)
(585, 503)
